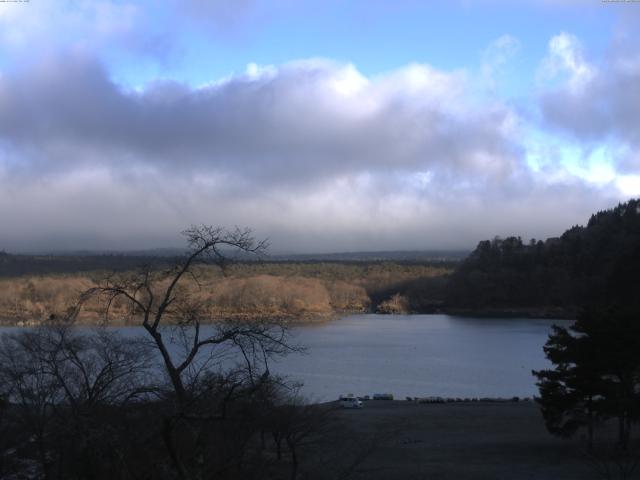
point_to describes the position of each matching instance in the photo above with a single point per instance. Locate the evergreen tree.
(596, 374)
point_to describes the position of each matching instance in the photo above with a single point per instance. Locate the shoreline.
(310, 319)
(548, 313)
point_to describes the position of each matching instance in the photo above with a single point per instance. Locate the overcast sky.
(324, 125)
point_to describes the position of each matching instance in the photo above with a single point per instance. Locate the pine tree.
(596, 374)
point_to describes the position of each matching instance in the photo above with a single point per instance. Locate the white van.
(350, 402)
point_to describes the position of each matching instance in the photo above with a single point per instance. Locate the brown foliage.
(271, 295)
(396, 304)
(300, 291)
(32, 299)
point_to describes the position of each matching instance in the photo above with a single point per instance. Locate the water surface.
(412, 355)
(420, 355)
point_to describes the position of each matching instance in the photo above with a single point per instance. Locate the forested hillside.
(21, 265)
(596, 263)
(295, 290)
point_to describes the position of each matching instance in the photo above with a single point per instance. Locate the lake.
(419, 355)
(414, 355)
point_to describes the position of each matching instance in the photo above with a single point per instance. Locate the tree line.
(596, 263)
(298, 291)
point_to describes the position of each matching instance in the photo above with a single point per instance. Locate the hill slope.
(596, 263)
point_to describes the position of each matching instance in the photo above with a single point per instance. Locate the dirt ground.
(461, 441)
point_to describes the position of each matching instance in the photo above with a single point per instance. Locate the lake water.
(415, 355)
(419, 355)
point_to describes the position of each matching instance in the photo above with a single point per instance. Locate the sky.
(325, 126)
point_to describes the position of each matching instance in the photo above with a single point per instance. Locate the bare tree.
(312, 441)
(190, 343)
(59, 382)
(32, 391)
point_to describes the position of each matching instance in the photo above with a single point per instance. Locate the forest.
(592, 264)
(298, 291)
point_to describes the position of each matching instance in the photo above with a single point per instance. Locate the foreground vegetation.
(102, 406)
(595, 380)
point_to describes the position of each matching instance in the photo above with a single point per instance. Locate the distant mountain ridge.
(378, 256)
(447, 255)
(85, 261)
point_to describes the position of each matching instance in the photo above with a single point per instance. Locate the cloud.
(99, 208)
(300, 122)
(595, 104)
(55, 23)
(119, 29)
(496, 56)
(566, 55)
(312, 153)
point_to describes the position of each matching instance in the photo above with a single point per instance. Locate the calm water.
(415, 355)
(420, 355)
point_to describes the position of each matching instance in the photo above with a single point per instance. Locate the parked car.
(350, 402)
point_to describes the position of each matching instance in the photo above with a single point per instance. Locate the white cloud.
(629, 184)
(596, 105)
(566, 55)
(55, 23)
(590, 115)
(496, 56)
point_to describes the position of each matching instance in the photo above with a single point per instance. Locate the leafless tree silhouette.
(190, 343)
